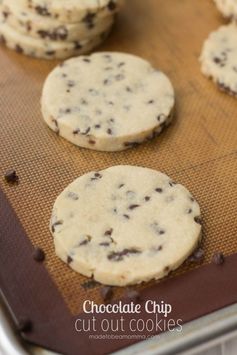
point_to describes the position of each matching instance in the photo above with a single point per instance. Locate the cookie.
(70, 11)
(219, 58)
(107, 101)
(45, 49)
(228, 8)
(33, 25)
(124, 225)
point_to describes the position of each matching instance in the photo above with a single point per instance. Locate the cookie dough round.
(125, 225)
(219, 58)
(45, 49)
(34, 25)
(228, 8)
(70, 11)
(107, 101)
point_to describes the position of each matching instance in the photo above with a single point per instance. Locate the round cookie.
(219, 58)
(228, 8)
(70, 11)
(125, 225)
(46, 49)
(33, 25)
(108, 101)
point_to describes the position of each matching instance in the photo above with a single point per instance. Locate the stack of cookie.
(219, 53)
(56, 29)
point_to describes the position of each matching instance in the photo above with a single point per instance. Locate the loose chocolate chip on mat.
(24, 325)
(89, 284)
(106, 293)
(218, 258)
(133, 295)
(197, 256)
(38, 254)
(11, 176)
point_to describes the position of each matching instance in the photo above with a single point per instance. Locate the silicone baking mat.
(197, 150)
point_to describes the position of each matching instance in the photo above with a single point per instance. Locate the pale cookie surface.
(34, 25)
(219, 58)
(107, 101)
(70, 11)
(39, 48)
(125, 224)
(228, 8)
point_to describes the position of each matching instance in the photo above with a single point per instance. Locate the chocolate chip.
(84, 242)
(42, 10)
(91, 141)
(151, 102)
(216, 60)
(108, 232)
(131, 144)
(89, 18)
(111, 5)
(38, 254)
(11, 176)
(72, 195)
(197, 256)
(76, 131)
(118, 256)
(109, 131)
(86, 131)
(161, 117)
(69, 259)
(147, 198)
(126, 216)
(121, 185)
(50, 52)
(89, 284)
(119, 77)
(128, 89)
(18, 48)
(172, 183)
(96, 176)
(5, 14)
(55, 224)
(77, 45)
(105, 244)
(198, 219)
(86, 60)
(132, 207)
(167, 269)
(133, 295)
(24, 325)
(71, 83)
(2, 39)
(218, 258)
(227, 89)
(106, 293)
(158, 189)
(189, 211)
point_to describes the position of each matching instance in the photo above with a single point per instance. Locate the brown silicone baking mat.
(198, 150)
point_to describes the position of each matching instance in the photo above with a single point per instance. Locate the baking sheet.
(197, 150)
